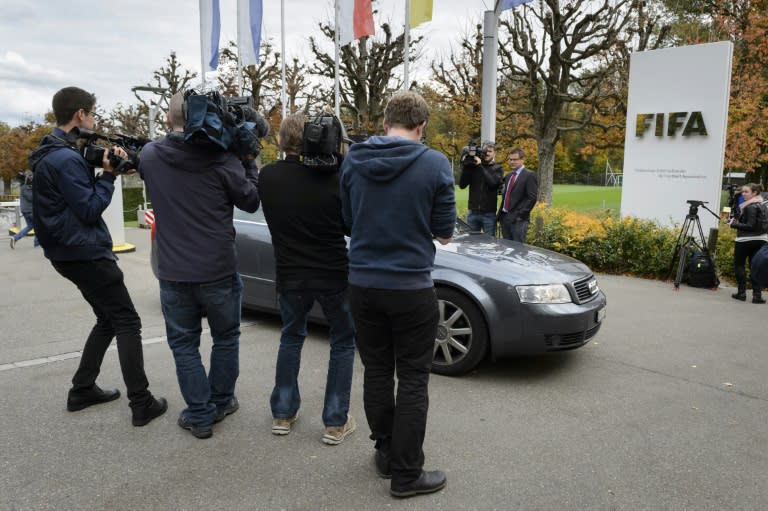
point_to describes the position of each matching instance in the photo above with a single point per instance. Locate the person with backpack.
(25, 203)
(751, 234)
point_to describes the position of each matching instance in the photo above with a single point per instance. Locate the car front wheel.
(462, 336)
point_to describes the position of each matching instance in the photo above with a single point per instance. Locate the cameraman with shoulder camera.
(68, 203)
(483, 175)
(303, 210)
(194, 188)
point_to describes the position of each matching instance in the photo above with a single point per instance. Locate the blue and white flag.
(509, 4)
(249, 14)
(210, 29)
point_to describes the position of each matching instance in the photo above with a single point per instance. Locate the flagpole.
(406, 43)
(282, 51)
(336, 87)
(490, 63)
(240, 70)
(202, 46)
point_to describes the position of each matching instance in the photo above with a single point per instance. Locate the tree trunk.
(546, 169)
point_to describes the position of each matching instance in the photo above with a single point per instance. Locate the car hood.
(509, 261)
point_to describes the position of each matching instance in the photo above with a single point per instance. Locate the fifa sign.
(670, 124)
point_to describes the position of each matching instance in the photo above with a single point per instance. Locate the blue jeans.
(482, 221)
(23, 232)
(295, 304)
(183, 306)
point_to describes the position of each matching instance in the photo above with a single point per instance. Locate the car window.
(250, 217)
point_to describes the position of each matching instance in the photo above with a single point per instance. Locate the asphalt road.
(665, 409)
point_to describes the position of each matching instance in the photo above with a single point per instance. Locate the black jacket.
(523, 195)
(749, 221)
(303, 211)
(193, 188)
(68, 200)
(484, 182)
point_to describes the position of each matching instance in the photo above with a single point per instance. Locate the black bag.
(701, 271)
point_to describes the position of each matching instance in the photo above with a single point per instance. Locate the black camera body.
(88, 143)
(322, 141)
(734, 191)
(472, 150)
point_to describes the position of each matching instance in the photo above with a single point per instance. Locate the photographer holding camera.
(751, 235)
(483, 175)
(68, 203)
(303, 211)
(194, 188)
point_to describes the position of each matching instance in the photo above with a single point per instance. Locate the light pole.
(152, 105)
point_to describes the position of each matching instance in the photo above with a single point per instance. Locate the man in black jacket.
(303, 210)
(519, 195)
(68, 203)
(194, 188)
(483, 176)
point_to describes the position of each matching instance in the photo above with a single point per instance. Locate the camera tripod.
(687, 241)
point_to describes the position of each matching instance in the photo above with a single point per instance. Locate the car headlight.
(550, 293)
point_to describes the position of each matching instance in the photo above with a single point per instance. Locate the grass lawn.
(577, 197)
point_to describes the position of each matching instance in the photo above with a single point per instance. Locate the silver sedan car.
(497, 298)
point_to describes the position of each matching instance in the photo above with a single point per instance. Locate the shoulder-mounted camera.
(323, 141)
(472, 150)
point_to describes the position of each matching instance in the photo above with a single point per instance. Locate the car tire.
(462, 336)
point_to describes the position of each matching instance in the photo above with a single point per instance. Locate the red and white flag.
(355, 20)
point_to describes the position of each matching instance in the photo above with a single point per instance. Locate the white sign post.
(677, 119)
(113, 217)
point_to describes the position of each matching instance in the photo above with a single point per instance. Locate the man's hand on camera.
(117, 151)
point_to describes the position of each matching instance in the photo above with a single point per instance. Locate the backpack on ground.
(701, 271)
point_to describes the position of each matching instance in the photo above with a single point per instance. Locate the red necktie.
(510, 184)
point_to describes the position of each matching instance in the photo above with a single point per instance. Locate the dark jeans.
(183, 306)
(485, 222)
(23, 232)
(295, 304)
(513, 230)
(742, 251)
(101, 284)
(396, 332)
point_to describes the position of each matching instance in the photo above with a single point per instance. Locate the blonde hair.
(291, 134)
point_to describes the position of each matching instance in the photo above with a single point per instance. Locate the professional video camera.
(734, 192)
(324, 136)
(87, 142)
(228, 123)
(471, 150)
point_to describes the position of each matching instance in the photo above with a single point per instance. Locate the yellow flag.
(421, 12)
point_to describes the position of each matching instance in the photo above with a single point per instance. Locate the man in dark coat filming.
(483, 176)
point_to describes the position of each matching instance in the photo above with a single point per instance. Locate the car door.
(256, 260)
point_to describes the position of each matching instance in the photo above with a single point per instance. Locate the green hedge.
(626, 246)
(133, 199)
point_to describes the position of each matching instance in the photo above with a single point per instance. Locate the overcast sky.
(108, 47)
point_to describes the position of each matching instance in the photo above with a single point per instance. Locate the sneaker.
(334, 435)
(200, 432)
(283, 426)
(231, 407)
(13, 243)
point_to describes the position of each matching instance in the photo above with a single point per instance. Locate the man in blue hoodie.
(194, 188)
(397, 196)
(69, 200)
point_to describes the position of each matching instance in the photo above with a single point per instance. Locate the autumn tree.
(556, 54)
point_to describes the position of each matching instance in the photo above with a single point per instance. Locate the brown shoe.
(283, 426)
(334, 435)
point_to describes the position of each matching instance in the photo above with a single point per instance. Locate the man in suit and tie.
(520, 191)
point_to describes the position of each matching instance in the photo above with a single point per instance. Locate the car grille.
(586, 289)
(574, 340)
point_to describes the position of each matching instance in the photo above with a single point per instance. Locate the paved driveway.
(665, 409)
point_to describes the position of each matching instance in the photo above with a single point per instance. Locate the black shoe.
(231, 407)
(156, 407)
(381, 462)
(197, 431)
(758, 299)
(77, 400)
(740, 296)
(428, 482)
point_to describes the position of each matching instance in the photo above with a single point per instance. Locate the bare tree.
(555, 55)
(367, 73)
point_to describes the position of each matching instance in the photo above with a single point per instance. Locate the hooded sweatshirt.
(396, 194)
(193, 189)
(68, 200)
